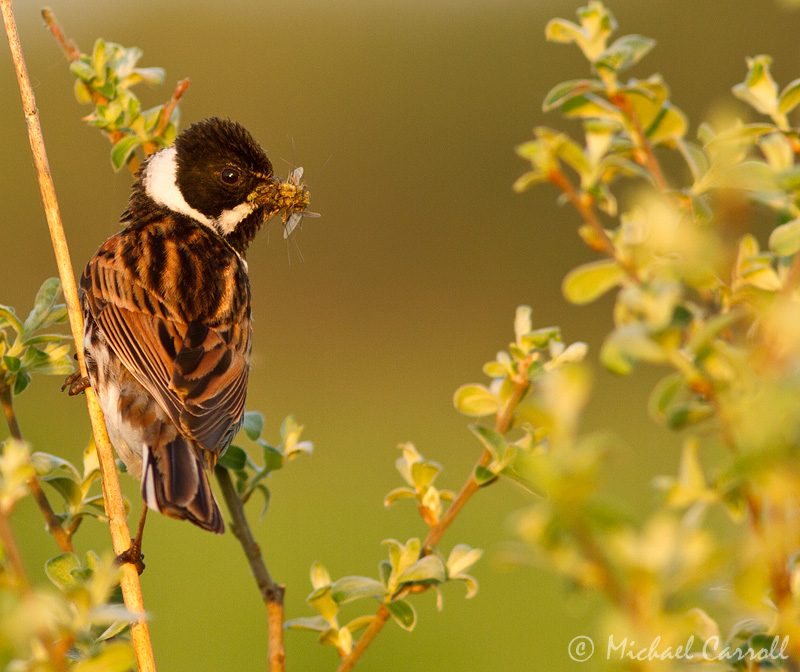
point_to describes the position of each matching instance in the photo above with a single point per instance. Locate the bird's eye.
(230, 176)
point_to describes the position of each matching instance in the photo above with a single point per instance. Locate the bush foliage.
(710, 572)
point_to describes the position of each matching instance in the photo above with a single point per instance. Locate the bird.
(166, 307)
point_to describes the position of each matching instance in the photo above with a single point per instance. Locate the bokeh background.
(405, 115)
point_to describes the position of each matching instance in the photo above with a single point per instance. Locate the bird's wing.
(197, 372)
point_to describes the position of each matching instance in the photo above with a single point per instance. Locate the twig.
(436, 532)
(169, 108)
(379, 620)
(11, 551)
(9, 543)
(8, 408)
(271, 592)
(53, 523)
(72, 53)
(69, 48)
(120, 535)
(501, 425)
(650, 162)
(163, 118)
(560, 180)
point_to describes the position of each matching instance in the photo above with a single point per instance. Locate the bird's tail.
(175, 483)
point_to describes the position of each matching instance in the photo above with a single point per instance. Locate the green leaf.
(45, 300)
(99, 58)
(790, 97)
(11, 364)
(115, 657)
(403, 613)
(51, 465)
(590, 281)
(562, 93)
(461, 558)
(624, 53)
(385, 571)
(682, 415)
(273, 458)
(83, 71)
(669, 125)
(350, 588)
(7, 313)
(423, 473)
(122, 151)
(493, 441)
(696, 158)
(68, 489)
(397, 494)
(785, 239)
(20, 383)
(483, 476)
(590, 106)
(253, 425)
(319, 576)
(360, 622)
(665, 393)
(759, 89)
(62, 570)
(522, 323)
(264, 490)
(234, 458)
(475, 400)
(151, 76)
(561, 30)
(629, 344)
(316, 623)
(541, 338)
(429, 568)
(323, 603)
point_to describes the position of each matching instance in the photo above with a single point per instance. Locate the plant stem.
(53, 523)
(169, 108)
(650, 162)
(271, 592)
(11, 551)
(55, 653)
(379, 620)
(8, 408)
(112, 496)
(436, 532)
(585, 210)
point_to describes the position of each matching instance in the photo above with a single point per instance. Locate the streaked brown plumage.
(167, 308)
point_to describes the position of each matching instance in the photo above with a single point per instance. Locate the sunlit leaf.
(590, 281)
(475, 400)
(350, 588)
(403, 613)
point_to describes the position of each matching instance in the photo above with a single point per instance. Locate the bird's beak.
(275, 196)
(266, 193)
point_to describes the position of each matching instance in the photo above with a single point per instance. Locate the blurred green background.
(405, 115)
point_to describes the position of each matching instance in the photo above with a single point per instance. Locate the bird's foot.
(132, 556)
(76, 383)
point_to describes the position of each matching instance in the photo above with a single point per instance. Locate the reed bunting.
(166, 304)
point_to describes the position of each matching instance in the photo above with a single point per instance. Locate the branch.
(584, 209)
(11, 550)
(164, 116)
(436, 532)
(650, 162)
(112, 497)
(381, 617)
(271, 592)
(53, 523)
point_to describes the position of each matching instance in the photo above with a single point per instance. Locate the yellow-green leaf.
(475, 400)
(590, 281)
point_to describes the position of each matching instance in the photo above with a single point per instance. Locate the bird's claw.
(76, 383)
